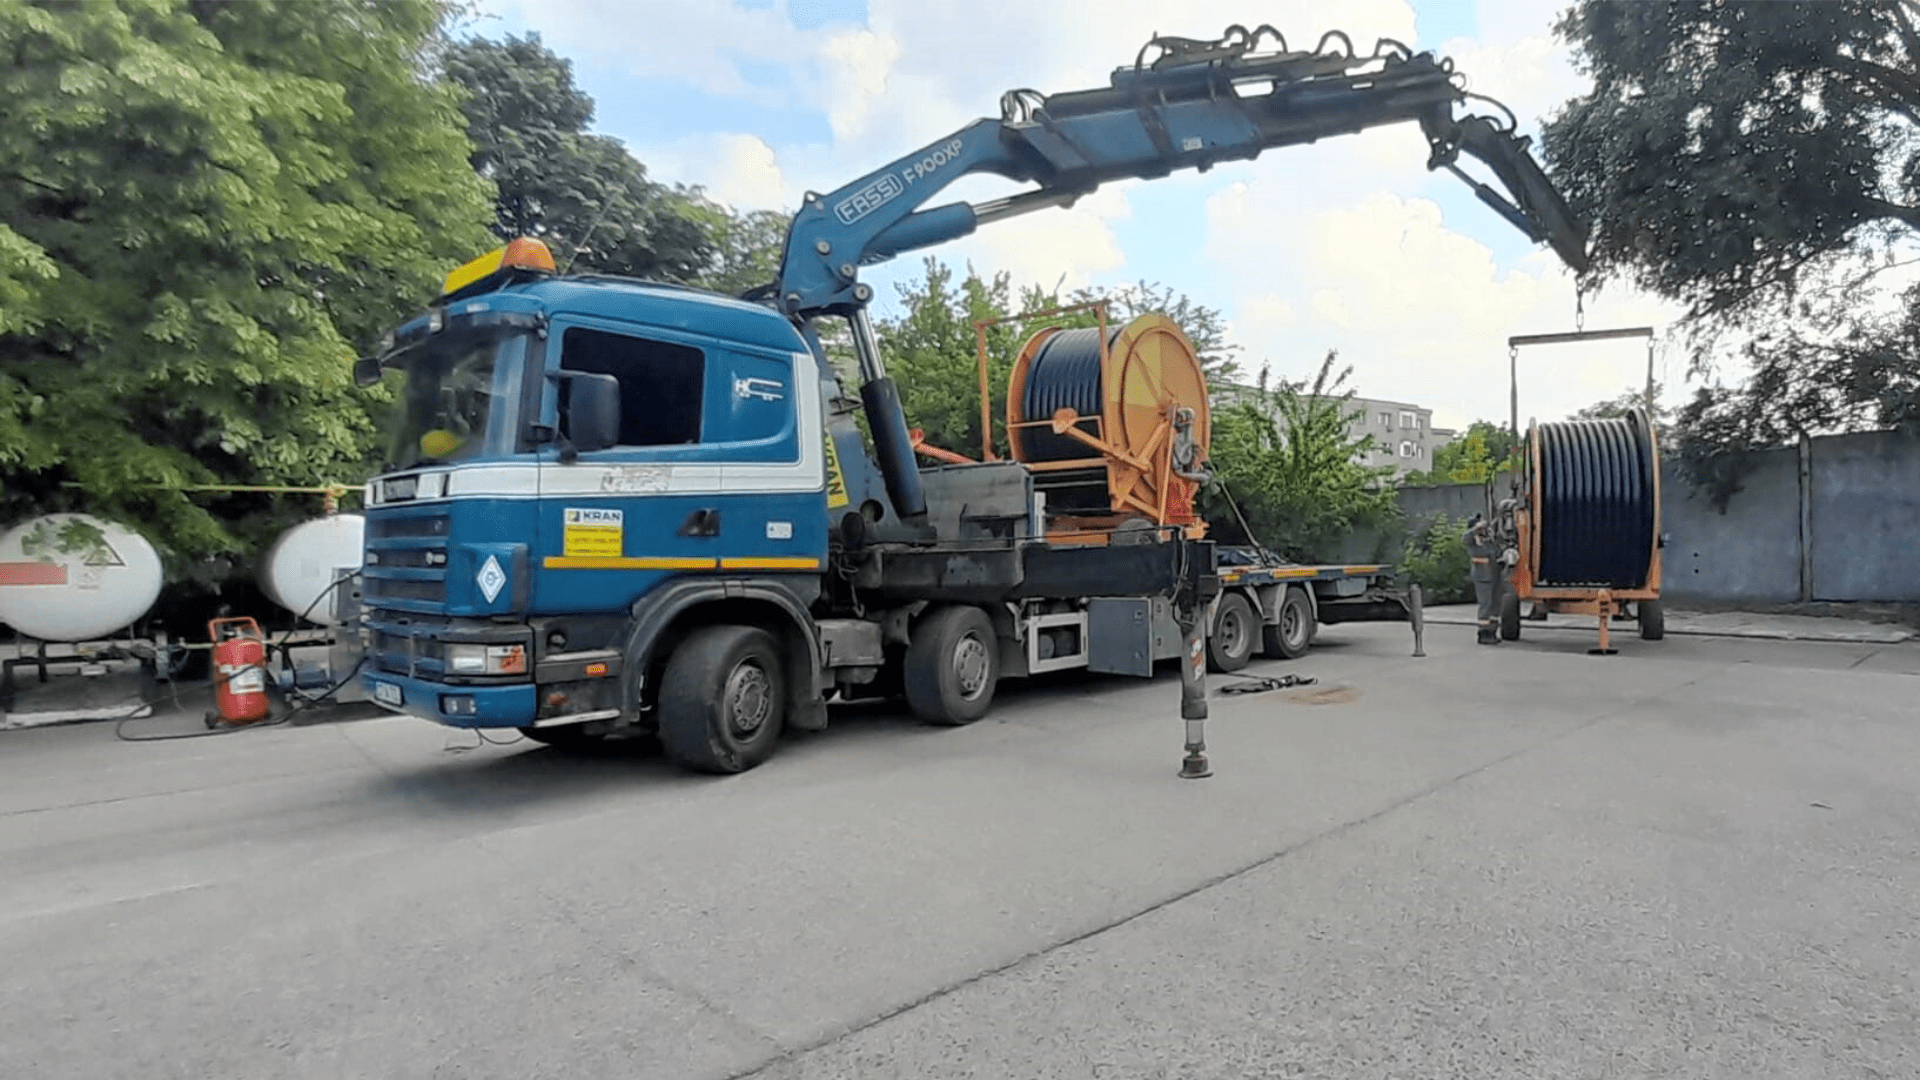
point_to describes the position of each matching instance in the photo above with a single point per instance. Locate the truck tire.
(1509, 615)
(1292, 635)
(1653, 620)
(953, 662)
(723, 699)
(1230, 645)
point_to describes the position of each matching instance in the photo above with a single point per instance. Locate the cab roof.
(675, 307)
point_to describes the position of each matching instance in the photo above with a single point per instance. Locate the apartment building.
(1399, 434)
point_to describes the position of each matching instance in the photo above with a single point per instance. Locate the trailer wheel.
(953, 662)
(723, 699)
(1653, 620)
(1509, 615)
(1230, 645)
(1290, 638)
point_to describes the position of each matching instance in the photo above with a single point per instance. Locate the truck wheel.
(1653, 620)
(723, 699)
(953, 662)
(1230, 645)
(1290, 638)
(1509, 616)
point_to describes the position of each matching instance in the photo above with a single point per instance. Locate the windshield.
(451, 398)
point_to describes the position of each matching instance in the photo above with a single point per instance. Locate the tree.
(582, 193)
(932, 353)
(1758, 162)
(1288, 459)
(1615, 407)
(1205, 327)
(1482, 452)
(746, 246)
(932, 348)
(204, 208)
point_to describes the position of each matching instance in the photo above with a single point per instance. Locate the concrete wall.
(1750, 553)
(1866, 517)
(1845, 527)
(1458, 502)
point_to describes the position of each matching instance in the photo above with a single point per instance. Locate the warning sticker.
(836, 480)
(593, 532)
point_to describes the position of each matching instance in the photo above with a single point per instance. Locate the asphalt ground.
(1696, 858)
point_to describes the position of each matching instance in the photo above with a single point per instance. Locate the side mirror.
(593, 411)
(366, 370)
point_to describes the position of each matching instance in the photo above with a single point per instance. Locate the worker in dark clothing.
(1483, 548)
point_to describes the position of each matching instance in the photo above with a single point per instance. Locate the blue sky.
(1347, 244)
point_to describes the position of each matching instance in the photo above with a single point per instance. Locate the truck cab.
(565, 449)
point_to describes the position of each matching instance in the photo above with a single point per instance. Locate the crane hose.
(1597, 491)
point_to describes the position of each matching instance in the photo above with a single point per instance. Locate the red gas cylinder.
(240, 670)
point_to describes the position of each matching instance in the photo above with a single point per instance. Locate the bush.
(1289, 457)
(1437, 561)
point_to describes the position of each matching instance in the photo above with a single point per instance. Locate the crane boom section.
(1198, 104)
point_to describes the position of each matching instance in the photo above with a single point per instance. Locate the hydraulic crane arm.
(1194, 105)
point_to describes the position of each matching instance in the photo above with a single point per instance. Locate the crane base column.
(1193, 701)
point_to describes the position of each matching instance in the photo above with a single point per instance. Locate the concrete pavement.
(1739, 624)
(1688, 859)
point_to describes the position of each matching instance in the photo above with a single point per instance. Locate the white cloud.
(858, 65)
(1421, 311)
(742, 171)
(749, 174)
(1057, 248)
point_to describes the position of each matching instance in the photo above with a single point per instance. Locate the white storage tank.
(75, 577)
(301, 566)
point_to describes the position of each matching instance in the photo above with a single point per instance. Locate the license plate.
(386, 693)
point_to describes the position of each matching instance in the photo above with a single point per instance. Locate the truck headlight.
(487, 659)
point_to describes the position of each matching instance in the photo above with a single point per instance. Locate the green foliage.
(203, 209)
(746, 247)
(932, 352)
(75, 536)
(932, 347)
(1437, 561)
(1205, 327)
(1615, 407)
(582, 193)
(1485, 451)
(1757, 162)
(1291, 464)
(1725, 146)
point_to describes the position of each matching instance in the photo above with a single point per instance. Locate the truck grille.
(406, 523)
(406, 567)
(376, 590)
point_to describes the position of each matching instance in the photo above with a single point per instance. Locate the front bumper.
(491, 706)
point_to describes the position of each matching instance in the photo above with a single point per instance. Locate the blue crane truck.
(621, 507)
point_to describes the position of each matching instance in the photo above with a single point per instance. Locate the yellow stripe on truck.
(771, 562)
(610, 562)
(617, 562)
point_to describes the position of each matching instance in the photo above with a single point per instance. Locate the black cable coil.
(1065, 374)
(1596, 515)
